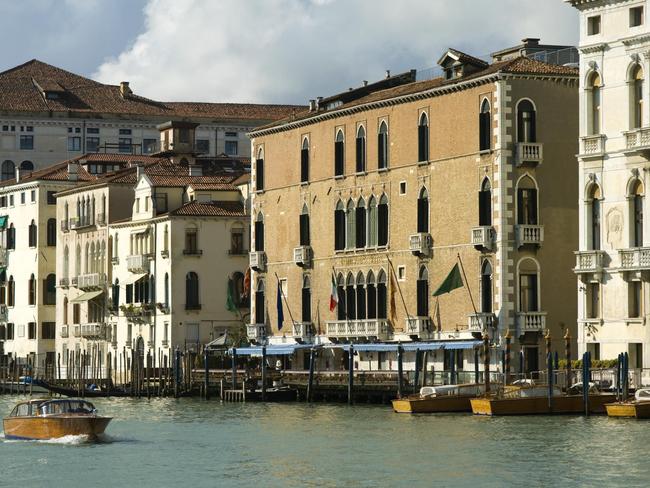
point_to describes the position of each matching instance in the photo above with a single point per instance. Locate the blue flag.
(279, 305)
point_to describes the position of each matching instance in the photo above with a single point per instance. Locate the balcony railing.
(418, 326)
(635, 259)
(530, 322)
(91, 281)
(65, 226)
(589, 262)
(302, 256)
(529, 234)
(81, 222)
(138, 263)
(303, 330)
(64, 282)
(65, 331)
(592, 145)
(76, 330)
(420, 243)
(637, 139)
(529, 152)
(347, 329)
(258, 260)
(478, 322)
(94, 330)
(101, 218)
(193, 252)
(483, 237)
(256, 332)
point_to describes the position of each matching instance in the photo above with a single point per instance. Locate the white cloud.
(292, 50)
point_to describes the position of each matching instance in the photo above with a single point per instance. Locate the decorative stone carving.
(614, 222)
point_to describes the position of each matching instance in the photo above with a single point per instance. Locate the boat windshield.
(66, 406)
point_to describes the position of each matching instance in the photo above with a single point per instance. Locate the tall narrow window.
(422, 286)
(51, 232)
(593, 300)
(115, 300)
(260, 303)
(259, 170)
(382, 234)
(306, 300)
(485, 126)
(486, 287)
(594, 217)
(259, 232)
(32, 234)
(636, 89)
(304, 161)
(339, 154)
(372, 222)
(192, 291)
(528, 286)
(65, 310)
(526, 122)
(341, 308)
(304, 226)
(382, 307)
(485, 204)
(167, 291)
(526, 202)
(350, 298)
(11, 292)
(361, 223)
(361, 296)
(31, 290)
(371, 294)
(66, 262)
(350, 217)
(423, 211)
(634, 299)
(339, 227)
(382, 146)
(361, 150)
(594, 101)
(49, 290)
(11, 237)
(636, 207)
(423, 138)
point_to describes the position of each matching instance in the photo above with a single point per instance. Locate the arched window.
(350, 216)
(371, 294)
(27, 166)
(304, 226)
(361, 149)
(526, 122)
(593, 103)
(372, 222)
(636, 96)
(115, 295)
(306, 299)
(11, 292)
(31, 234)
(66, 262)
(361, 223)
(260, 304)
(485, 126)
(192, 291)
(636, 198)
(339, 227)
(528, 286)
(382, 146)
(259, 170)
(65, 310)
(238, 289)
(361, 296)
(486, 287)
(165, 238)
(422, 286)
(51, 232)
(382, 227)
(31, 290)
(485, 204)
(66, 214)
(49, 290)
(11, 237)
(350, 298)
(382, 304)
(423, 211)
(527, 202)
(8, 170)
(259, 232)
(423, 138)
(339, 153)
(167, 291)
(77, 264)
(341, 308)
(92, 259)
(87, 259)
(304, 161)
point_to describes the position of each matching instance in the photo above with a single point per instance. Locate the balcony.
(256, 332)
(138, 263)
(4, 313)
(478, 322)
(589, 265)
(302, 256)
(303, 331)
(637, 140)
(94, 330)
(101, 219)
(137, 313)
(530, 322)
(193, 252)
(258, 260)
(529, 235)
(65, 226)
(356, 329)
(483, 237)
(76, 331)
(634, 261)
(592, 146)
(65, 331)
(418, 326)
(64, 282)
(420, 243)
(78, 223)
(91, 281)
(529, 152)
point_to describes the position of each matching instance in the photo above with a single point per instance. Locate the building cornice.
(593, 48)
(636, 40)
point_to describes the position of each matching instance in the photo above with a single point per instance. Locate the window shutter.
(533, 126)
(341, 308)
(521, 136)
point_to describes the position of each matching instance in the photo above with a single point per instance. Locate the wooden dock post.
(476, 368)
(549, 361)
(351, 375)
(425, 360)
(486, 361)
(506, 372)
(221, 389)
(234, 368)
(310, 381)
(263, 374)
(206, 370)
(416, 379)
(400, 370)
(585, 380)
(567, 353)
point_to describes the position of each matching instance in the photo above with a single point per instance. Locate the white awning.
(89, 295)
(135, 277)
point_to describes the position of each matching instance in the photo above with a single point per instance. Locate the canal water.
(194, 443)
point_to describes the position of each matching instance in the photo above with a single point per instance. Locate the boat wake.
(68, 440)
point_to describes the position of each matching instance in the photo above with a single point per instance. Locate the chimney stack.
(387, 73)
(17, 175)
(125, 91)
(365, 82)
(138, 171)
(318, 102)
(73, 172)
(312, 105)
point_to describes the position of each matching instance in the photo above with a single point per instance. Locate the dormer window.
(457, 64)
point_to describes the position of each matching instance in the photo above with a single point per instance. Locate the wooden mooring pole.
(310, 381)
(263, 374)
(351, 375)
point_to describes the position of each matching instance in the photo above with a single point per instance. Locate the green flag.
(452, 281)
(230, 303)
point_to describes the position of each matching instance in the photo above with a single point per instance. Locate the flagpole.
(408, 315)
(293, 322)
(338, 302)
(462, 268)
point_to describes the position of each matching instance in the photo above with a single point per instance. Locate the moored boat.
(43, 419)
(439, 399)
(638, 408)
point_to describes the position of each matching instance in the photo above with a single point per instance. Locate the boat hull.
(441, 404)
(639, 410)
(44, 428)
(572, 404)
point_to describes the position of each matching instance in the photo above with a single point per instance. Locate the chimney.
(530, 41)
(17, 175)
(125, 91)
(318, 102)
(73, 170)
(196, 170)
(387, 73)
(138, 171)
(365, 82)
(312, 105)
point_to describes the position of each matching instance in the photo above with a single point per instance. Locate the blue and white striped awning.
(273, 350)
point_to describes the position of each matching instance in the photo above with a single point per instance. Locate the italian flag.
(334, 296)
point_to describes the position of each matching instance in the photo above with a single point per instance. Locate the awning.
(140, 231)
(219, 342)
(279, 350)
(135, 277)
(89, 295)
(3, 221)
(407, 346)
(424, 346)
(462, 344)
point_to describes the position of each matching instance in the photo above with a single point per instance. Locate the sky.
(275, 51)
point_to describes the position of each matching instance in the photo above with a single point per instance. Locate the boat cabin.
(41, 407)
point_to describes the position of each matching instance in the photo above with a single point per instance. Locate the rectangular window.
(231, 148)
(124, 144)
(74, 143)
(29, 128)
(636, 16)
(51, 199)
(594, 349)
(92, 144)
(528, 293)
(183, 136)
(160, 201)
(237, 241)
(593, 300)
(27, 142)
(203, 146)
(76, 313)
(593, 25)
(231, 134)
(32, 196)
(125, 132)
(31, 330)
(129, 293)
(634, 299)
(22, 198)
(635, 352)
(11, 200)
(3, 201)
(92, 130)
(10, 331)
(191, 241)
(259, 174)
(149, 146)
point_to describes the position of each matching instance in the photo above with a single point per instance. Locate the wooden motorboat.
(439, 399)
(44, 419)
(638, 408)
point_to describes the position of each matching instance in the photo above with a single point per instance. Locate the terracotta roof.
(55, 172)
(242, 180)
(211, 209)
(519, 65)
(22, 87)
(216, 186)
